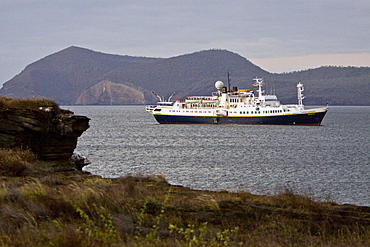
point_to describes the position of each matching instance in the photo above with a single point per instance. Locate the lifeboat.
(209, 100)
(193, 99)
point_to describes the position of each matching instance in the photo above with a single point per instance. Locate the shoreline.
(73, 207)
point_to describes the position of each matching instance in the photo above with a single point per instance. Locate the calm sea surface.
(331, 161)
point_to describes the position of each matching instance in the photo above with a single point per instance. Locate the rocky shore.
(41, 126)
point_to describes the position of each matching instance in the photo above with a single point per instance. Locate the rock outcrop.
(110, 93)
(49, 132)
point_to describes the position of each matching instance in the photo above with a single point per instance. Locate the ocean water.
(328, 162)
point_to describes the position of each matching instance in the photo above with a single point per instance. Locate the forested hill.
(337, 85)
(80, 76)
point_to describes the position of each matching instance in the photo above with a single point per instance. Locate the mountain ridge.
(67, 75)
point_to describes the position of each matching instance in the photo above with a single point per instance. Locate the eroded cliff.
(110, 93)
(41, 126)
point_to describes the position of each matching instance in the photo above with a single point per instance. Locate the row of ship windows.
(241, 112)
(271, 111)
(191, 111)
(197, 105)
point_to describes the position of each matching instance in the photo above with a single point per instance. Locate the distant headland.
(79, 76)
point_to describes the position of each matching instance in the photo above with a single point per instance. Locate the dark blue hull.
(294, 119)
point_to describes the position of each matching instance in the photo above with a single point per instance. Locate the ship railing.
(291, 106)
(150, 107)
(320, 109)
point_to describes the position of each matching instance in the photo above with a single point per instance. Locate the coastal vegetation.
(44, 206)
(20, 105)
(28, 103)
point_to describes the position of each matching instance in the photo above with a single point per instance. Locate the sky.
(276, 35)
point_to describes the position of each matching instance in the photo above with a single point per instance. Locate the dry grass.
(78, 209)
(30, 103)
(15, 162)
(43, 104)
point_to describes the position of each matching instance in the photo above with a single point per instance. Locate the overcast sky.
(277, 35)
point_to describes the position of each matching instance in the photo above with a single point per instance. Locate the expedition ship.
(236, 107)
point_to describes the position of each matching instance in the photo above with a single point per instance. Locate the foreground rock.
(48, 131)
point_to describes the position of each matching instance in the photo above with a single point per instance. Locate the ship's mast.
(300, 94)
(259, 83)
(228, 81)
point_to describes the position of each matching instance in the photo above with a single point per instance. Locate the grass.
(15, 162)
(39, 207)
(30, 103)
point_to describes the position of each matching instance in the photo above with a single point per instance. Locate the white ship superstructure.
(237, 107)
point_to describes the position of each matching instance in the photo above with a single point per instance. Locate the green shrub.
(100, 231)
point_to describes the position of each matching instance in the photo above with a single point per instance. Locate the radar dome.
(219, 85)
